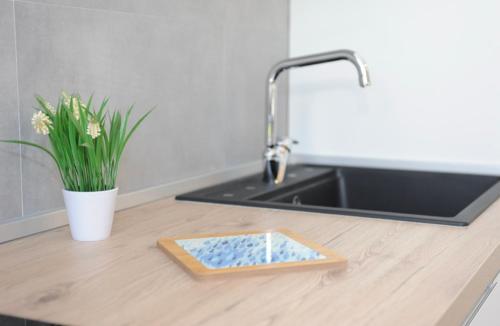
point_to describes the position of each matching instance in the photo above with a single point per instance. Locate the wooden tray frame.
(198, 270)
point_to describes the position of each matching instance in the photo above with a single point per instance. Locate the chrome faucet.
(277, 151)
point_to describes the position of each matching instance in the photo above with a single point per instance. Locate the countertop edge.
(471, 293)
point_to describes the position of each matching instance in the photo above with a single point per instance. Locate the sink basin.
(445, 198)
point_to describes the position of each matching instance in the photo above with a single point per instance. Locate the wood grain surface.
(399, 273)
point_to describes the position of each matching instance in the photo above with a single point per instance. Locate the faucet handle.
(287, 143)
(276, 160)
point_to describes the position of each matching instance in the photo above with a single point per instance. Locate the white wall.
(435, 67)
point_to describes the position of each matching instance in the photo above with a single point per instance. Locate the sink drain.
(296, 200)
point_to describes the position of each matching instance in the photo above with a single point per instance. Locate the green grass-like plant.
(87, 144)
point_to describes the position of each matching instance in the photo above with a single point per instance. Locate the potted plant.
(87, 145)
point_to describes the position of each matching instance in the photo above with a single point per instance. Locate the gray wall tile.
(164, 8)
(10, 176)
(146, 60)
(181, 59)
(254, 43)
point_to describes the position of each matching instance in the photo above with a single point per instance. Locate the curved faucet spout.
(273, 146)
(308, 60)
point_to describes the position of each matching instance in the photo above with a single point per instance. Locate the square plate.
(248, 251)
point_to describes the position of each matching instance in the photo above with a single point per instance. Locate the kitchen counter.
(399, 273)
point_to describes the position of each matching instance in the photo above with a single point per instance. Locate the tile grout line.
(18, 106)
(224, 69)
(288, 48)
(102, 10)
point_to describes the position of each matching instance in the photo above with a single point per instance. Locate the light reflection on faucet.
(277, 152)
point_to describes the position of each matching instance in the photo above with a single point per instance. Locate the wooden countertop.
(399, 273)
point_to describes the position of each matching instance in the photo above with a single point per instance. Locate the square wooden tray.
(196, 268)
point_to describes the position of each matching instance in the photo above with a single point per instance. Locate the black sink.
(446, 198)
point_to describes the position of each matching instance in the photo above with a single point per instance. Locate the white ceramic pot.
(90, 214)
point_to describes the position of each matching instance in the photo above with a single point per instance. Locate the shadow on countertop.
(14, 321)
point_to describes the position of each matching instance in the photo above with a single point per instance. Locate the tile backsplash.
(202, 64)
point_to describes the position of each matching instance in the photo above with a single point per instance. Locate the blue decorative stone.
(247, 250)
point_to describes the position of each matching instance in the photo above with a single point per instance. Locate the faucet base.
(270, 171)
